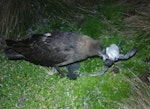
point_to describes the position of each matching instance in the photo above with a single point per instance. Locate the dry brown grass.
(137, 23)
(139, 97)
(138, 19)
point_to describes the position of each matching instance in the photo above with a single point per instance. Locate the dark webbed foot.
(108, 62)
(128, 55)
(62, 74)
(72, 76)
(71, 69)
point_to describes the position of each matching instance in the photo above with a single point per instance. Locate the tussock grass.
(139, 97)
(18, 17)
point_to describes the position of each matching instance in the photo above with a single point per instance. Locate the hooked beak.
(107, 62)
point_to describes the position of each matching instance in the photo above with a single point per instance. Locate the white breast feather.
(112, 52)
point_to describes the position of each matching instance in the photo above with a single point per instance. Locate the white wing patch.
(47, 34)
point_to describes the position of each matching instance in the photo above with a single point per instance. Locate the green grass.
(25, 85)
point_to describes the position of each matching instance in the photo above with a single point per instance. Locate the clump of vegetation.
(18, 17)
(139, 97)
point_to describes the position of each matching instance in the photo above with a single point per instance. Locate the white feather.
(47, 34)
(112, 52)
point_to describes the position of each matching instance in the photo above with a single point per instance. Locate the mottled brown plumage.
(54, 49)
